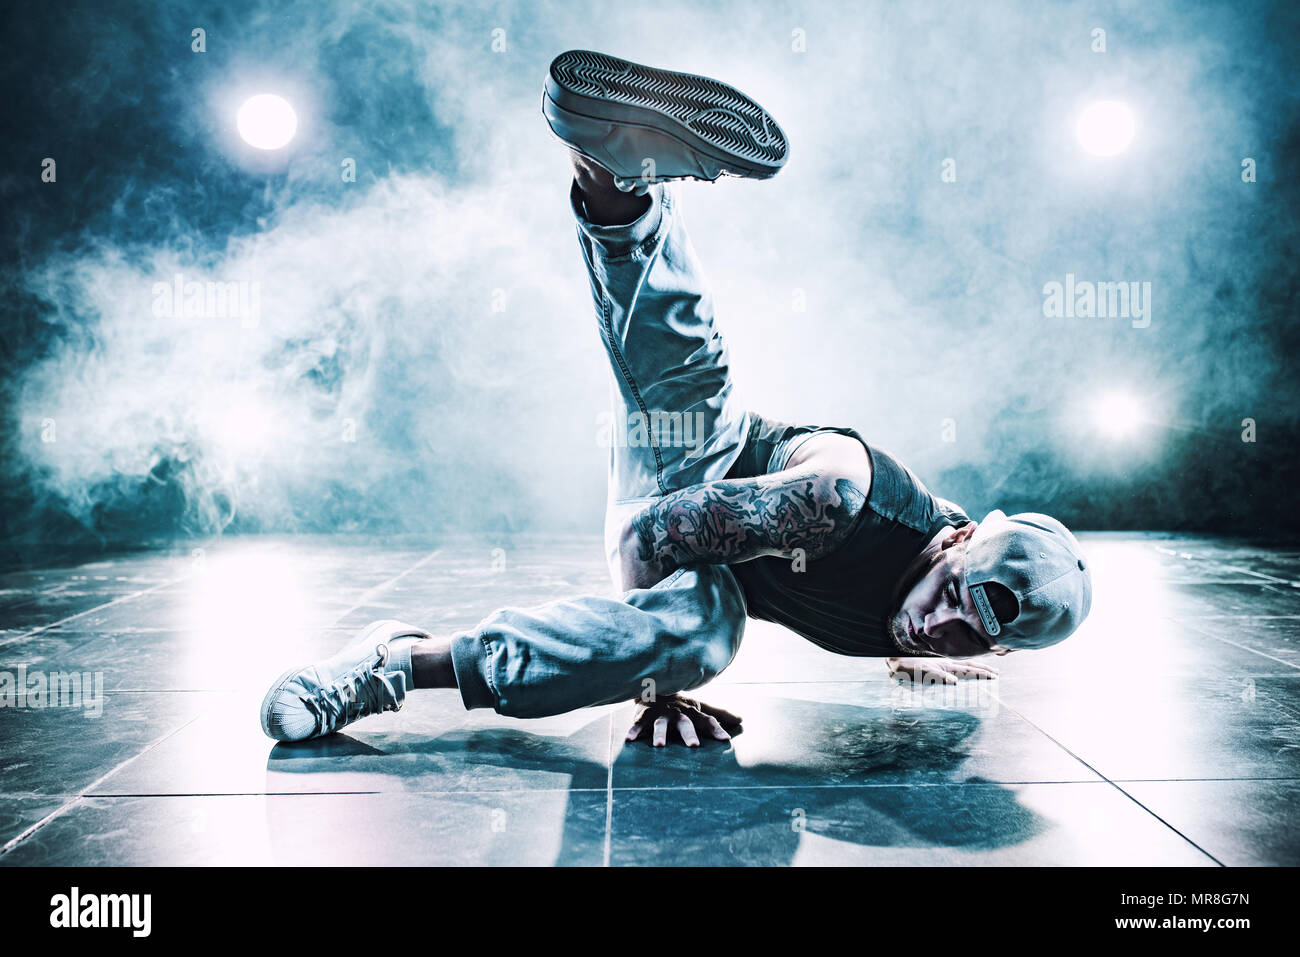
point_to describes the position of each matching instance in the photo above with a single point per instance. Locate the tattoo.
(737, 520)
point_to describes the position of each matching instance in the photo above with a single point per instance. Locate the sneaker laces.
(363, 691)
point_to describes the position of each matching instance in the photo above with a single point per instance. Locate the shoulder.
(835, 454)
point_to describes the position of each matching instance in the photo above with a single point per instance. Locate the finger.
(975, 670)
(634, 732)
(660, 736)
(686, 728)
(723, 715)
(717, 730)
(706, 724)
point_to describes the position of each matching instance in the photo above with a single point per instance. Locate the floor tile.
(1242, 823)
(1177, 727)
(853, 733)
(62, 750)
(993, 825)
(1183, 688)
(432, 744)
(335, 830)
(19, 812)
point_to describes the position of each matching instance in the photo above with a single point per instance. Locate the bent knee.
(706, 649)
(719, 646)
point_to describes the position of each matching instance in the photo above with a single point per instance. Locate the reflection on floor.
(1166, 732)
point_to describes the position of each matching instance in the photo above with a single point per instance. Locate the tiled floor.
(1166, 732)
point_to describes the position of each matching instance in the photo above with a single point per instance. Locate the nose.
(937, 620)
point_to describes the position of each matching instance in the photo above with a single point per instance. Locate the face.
(937, 615)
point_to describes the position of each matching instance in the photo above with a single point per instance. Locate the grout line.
(1284, 780)
(85, 792)
(275, 546)
(1108, 780)
(9, 845)
(1168, 825)
(371, 593)
(1218, 563)
(108, 604)
(1270, 579)
(788, 786)
(609, 795)
(1228, 641)
(1246, 616)
(794, 786)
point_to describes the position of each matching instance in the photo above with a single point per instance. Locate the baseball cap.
(1037, 559)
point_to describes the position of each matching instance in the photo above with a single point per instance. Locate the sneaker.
(360, 680)
(646, 125)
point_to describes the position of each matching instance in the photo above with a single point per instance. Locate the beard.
(897, 632)
(895, 625)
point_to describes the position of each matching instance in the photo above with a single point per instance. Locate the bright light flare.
(1106, 128)
(1118, 415)
(267, 121)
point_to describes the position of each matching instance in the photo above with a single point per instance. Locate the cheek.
(920, 601)
(925, 595)
(909, 602)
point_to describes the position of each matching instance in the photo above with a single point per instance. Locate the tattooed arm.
(722, 523)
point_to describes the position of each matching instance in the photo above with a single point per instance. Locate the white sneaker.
(646, 125)
(360, 680)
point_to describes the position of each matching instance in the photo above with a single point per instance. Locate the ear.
(956, 536)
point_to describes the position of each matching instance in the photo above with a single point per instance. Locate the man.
(809, 527)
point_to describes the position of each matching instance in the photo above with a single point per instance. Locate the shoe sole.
(281, 681)
(710, 117)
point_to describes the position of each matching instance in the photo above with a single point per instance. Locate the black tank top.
(844, 600)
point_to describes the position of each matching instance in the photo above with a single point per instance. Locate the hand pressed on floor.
(686, 719)
(937, 670)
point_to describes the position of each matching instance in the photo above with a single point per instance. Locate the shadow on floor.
(862, 775)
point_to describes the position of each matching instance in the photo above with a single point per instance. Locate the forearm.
(738, 520)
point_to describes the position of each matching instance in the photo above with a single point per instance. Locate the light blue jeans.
(675, 423)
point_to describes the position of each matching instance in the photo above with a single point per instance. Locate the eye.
(954, 596)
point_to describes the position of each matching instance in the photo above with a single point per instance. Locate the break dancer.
(810, 527)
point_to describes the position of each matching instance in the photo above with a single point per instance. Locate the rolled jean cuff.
(471, 657)
(619, 241)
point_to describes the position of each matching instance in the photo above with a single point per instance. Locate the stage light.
(1106, 128)
(1117, 415)
(267, 121)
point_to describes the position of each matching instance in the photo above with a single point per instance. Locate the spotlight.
(267, 121)
(1118, 415)
(1105, 128)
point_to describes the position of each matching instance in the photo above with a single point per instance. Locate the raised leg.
(675, 418)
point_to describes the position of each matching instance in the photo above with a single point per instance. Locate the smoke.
(415, 350)
(356, 354)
